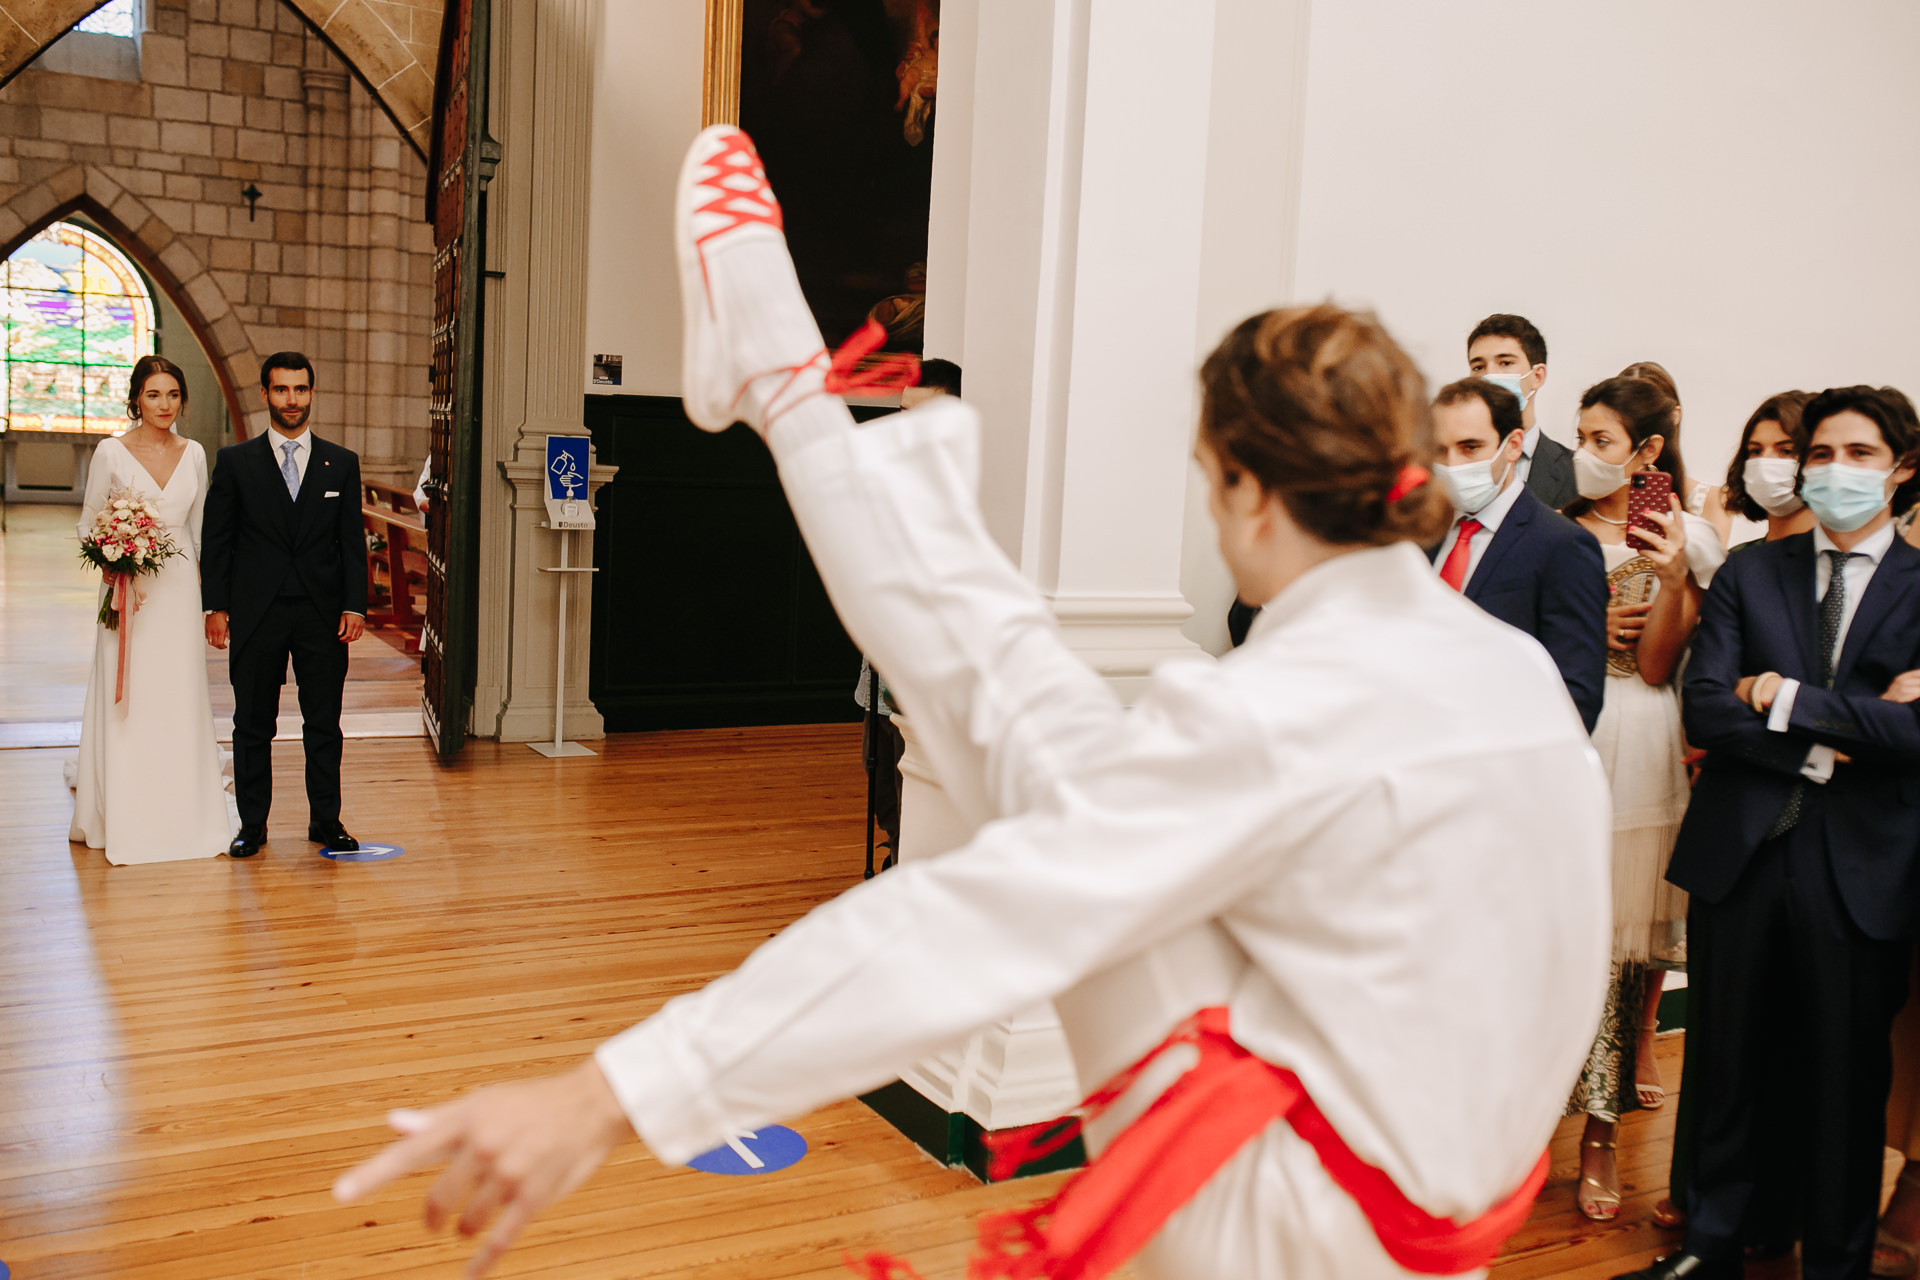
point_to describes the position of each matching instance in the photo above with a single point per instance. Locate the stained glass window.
(114, 18)
(77, 315)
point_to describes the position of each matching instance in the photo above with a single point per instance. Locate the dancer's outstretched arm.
(968, 646)
(1171, 823)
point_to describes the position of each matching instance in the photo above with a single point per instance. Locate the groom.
(283, 572)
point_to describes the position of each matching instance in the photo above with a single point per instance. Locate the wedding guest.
(1762, 485)
(147, 784)
(1895, 1253)
(1508, 351)
(1700, 499)
(1509, 553)
(1628, 425)
(1801, 853)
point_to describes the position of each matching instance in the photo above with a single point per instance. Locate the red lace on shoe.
(735, 158)
(852, 368)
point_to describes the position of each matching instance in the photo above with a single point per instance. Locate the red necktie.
(1454, 571)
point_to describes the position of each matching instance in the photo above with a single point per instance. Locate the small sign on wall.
(606, 371)
(567, 463)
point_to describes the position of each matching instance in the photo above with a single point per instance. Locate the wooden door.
(463, 159)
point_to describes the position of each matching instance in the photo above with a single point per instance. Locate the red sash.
(1109, 1210)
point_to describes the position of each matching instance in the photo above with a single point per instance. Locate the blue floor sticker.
(767, 1150)
(4, 1273)
(370, 851)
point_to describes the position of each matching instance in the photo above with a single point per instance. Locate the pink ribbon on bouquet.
(126, 603)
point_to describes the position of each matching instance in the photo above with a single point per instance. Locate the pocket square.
(331, 493)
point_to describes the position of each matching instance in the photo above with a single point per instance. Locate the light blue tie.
(289, 469)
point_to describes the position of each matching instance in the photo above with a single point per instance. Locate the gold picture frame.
(720, 84)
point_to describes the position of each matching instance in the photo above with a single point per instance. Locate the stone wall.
(334, 258)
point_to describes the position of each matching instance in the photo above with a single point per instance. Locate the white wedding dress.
(147, 785)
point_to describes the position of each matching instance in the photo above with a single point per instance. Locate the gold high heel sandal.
(1651, 1097)
(1605, 1205)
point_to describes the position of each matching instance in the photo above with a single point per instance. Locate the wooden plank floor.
(190, 1052)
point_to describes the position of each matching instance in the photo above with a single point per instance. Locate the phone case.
(1647, 491)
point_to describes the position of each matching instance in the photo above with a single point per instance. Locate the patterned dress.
(1641, 745)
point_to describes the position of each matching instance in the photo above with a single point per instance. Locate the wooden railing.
(396, 560)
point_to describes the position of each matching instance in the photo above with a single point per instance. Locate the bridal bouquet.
(128, 539)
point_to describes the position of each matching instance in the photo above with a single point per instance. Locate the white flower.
(142, 542)
(110, 551)
(121, 504)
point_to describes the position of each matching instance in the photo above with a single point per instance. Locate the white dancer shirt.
(1382, 807)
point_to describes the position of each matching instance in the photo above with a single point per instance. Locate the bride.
(147, 786)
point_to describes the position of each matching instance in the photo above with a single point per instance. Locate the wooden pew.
(397, 571)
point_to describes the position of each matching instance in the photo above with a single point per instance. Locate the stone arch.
(392, 47)
(149, 241)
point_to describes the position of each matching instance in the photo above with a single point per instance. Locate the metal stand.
(560, 748)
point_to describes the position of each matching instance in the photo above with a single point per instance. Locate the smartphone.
(1647, 491)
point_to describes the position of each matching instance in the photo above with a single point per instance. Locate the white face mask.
(1471, 486)
(1511, 381)
(1595, 479)
(1769, 482)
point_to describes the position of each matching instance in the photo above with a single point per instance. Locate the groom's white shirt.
(302, 452)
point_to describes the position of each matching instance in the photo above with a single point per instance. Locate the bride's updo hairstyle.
(1321, 408)
(145, 367)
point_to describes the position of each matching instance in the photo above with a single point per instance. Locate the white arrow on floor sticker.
(740, 1149)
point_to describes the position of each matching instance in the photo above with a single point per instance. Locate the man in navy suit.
(1802, 852)
(1509, 351)
(283, 573)
(1525, 564)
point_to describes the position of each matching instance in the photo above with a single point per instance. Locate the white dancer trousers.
(1003, 708)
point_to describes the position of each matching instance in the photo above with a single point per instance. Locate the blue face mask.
(1512, 383)
(1843, 498)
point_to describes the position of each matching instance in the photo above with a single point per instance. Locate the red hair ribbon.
(1411, 478)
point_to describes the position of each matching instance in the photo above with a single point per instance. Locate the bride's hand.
(217, 628)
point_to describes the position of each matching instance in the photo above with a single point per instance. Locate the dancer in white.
(147, 784)
(1389, 866)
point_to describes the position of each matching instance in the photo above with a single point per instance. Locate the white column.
(1077, 182)
(542, 112)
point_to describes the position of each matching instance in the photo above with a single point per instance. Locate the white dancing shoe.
(751, 350)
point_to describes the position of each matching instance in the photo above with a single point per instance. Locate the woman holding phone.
(1659, 561)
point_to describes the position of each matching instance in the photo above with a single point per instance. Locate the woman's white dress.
(1640, 742)
(147, 785)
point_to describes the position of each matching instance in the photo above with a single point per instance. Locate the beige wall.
(646, 110)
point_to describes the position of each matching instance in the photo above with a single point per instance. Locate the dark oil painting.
(839, 97)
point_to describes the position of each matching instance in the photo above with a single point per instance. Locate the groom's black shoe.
(335, 841)
(1689, 1266)
(247, 843)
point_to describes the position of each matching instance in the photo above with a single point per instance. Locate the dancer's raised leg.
(889, 512)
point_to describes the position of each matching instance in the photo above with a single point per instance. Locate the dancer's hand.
(217, 628)
(352, 627)
(510, 1149)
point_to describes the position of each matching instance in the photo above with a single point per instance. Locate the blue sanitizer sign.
(767, 1150)
(567, 463)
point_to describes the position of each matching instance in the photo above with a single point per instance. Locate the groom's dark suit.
(284, 570)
